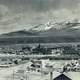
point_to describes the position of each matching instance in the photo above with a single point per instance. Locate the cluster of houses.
(60, 51)
(40, 49)
(45, 67)
(74, 65)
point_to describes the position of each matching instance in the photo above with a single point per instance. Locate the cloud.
(20, 14)
(40, 5)
(3, 10)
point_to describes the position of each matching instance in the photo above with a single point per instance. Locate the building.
(56, 50)
(66, 75)
(62, 77)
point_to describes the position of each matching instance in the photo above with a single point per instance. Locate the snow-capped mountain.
(71, 27)
(44, 27)
(65, 31)
(71, 24)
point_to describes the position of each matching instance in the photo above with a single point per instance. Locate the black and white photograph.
(39, 39)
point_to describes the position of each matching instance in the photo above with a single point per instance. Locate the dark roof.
(62, 77)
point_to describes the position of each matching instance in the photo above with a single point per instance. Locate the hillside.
(45, 33)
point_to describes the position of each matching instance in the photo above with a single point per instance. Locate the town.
(37, 60)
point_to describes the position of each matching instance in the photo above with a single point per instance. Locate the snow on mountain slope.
(42, 27)
(71, 27)
(71, 24)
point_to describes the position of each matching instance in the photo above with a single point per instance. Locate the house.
(5, 60)
(66, 75)
(56, 50)
(62, 77)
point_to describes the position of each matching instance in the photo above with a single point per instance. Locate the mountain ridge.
(69, 32)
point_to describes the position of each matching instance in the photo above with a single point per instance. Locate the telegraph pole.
(51, 75)
(13, 74)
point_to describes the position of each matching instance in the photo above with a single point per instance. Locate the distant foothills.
(66, 31)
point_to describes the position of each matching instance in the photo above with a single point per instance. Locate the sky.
(25, 14)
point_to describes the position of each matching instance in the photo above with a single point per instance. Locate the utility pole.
(51, 75)
(26, 77)
(41, 68)
(13, 74)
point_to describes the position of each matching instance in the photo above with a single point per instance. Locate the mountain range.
(65, 31)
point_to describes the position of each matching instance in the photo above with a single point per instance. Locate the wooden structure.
(62, 77)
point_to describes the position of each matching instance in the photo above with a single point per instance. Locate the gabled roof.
(62, 77)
